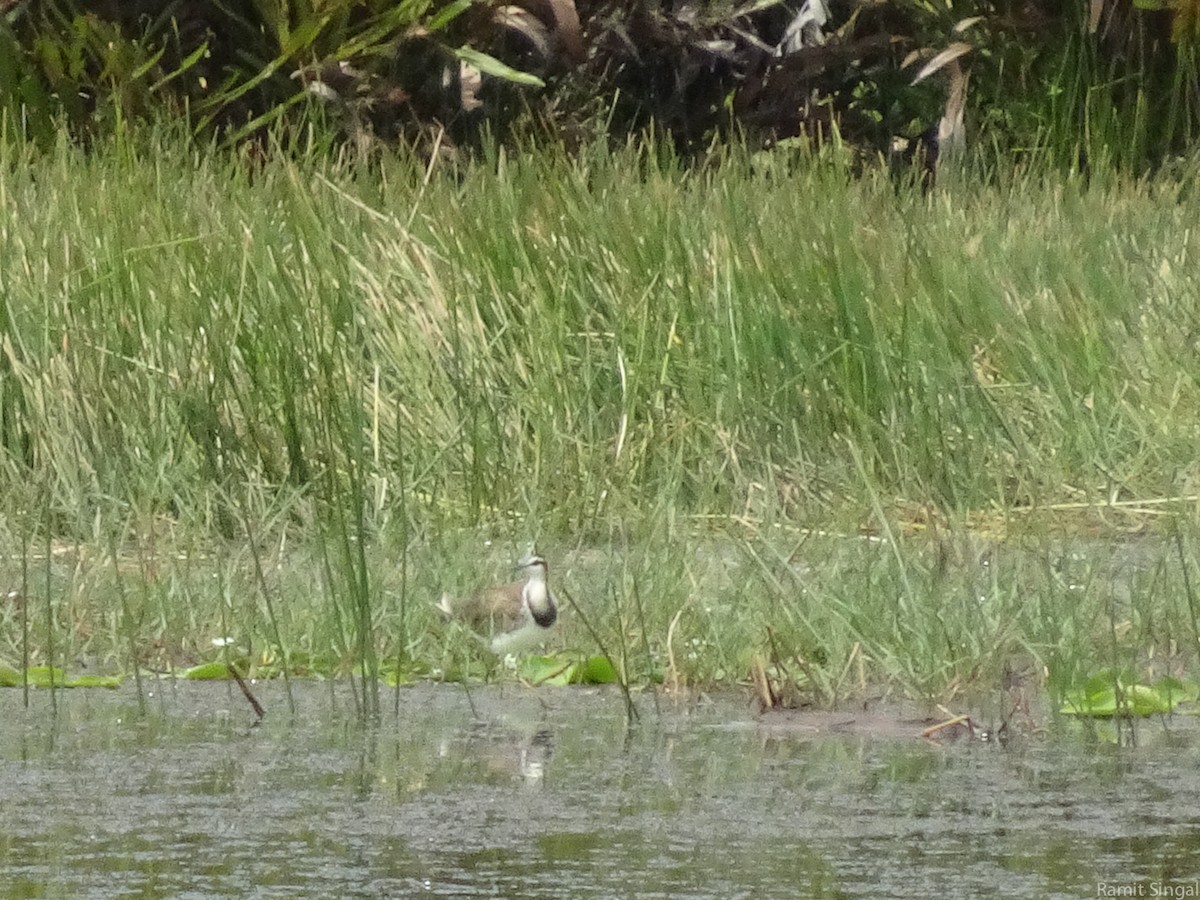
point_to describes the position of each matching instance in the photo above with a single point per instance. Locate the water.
(547, 793)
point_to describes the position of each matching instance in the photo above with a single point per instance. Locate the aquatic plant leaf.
(210, 671)
(1176, 691)
(1102, 697)
(1100, 704)
(94, 681)
(543, 669)
(1143, 700)
(45, 676)
(596, 670)
(563, 678)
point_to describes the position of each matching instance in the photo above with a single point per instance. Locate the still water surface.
(548, 793)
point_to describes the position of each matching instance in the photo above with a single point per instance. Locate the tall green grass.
(289, 402)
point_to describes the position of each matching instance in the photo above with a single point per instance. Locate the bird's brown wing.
(494, 610)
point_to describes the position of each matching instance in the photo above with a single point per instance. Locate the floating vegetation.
(53, 677)
(1111, 693)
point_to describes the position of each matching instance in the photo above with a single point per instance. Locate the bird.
(512, 617)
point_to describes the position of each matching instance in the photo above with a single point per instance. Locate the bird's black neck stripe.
(546, 617)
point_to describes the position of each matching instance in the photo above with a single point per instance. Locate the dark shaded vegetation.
(1110, 79)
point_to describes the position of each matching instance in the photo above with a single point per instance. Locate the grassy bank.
(291, 402)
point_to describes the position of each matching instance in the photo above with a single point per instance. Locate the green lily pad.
(596, 670)
(556, 671)
(53, 676)
(1178, 690)
(1110, 694)
(94, 681)
(209, 671)
(46, 676)
(545, 670)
